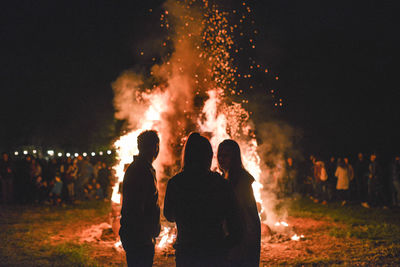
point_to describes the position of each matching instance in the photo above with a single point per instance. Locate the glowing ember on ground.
(296, 237)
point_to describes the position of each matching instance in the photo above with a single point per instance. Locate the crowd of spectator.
(366, 181)
(56, 181)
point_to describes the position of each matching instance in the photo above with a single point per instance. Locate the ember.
(192, 90)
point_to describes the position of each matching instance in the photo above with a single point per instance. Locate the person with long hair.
(202, 204)
(246, 253)
(343, 181)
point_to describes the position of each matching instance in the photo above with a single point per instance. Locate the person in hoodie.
(203, 206)
(247, 253)
(140, 212)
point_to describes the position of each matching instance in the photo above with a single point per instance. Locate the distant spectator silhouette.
(396, 181)
(7, 175)
(247, 253)
(140, 213)
(361, 178)
(343, 180)
(375, 183)
(200, 201)
(332, 179)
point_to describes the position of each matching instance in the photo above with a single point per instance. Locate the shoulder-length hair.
(233, 147)
(197, 153)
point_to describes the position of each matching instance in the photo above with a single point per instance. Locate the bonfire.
(194, 87)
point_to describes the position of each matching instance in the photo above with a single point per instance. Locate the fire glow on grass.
(193, 88)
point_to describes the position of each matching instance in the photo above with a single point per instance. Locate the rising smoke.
(192, 89)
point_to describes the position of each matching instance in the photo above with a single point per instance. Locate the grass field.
(27, 231)
(34, 235)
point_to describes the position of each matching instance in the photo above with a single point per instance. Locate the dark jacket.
(140, 213)
(200, 203)
(247, 253)
(6, 170)
(361, 169)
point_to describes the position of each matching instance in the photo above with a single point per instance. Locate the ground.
(81, 235)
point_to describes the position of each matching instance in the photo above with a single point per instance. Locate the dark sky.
(335, 60)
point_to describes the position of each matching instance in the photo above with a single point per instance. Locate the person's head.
(289, 161)
(346, 160)
(197, 153)
(397, 158)
(229, 155)
(5, 156)
(373, 157)
(98, 186)
(360, 156)
(332, 159)
(104, 165)
(148, 144)
(341, 163)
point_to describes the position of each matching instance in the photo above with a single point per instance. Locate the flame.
(126, 146)
(282, 224)
(199, 70)
(118, 244)
(218, 124)
(166, 237)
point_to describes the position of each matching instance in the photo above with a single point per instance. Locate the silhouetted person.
(200, 201)
(320, 178)
(332, 179)
(343, 180)
(395, 175)
(352, 186)
(247, 253)
(374, 182)
(291, 176)
(104, 178)
(85, 173)
(7, 174)
(361, 179)
(140, 213)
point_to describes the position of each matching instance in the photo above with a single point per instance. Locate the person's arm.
(169, 202)
(233, 221)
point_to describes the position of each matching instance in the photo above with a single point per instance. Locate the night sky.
(335, 60)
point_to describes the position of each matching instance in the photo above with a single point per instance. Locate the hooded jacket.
(200, 203)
